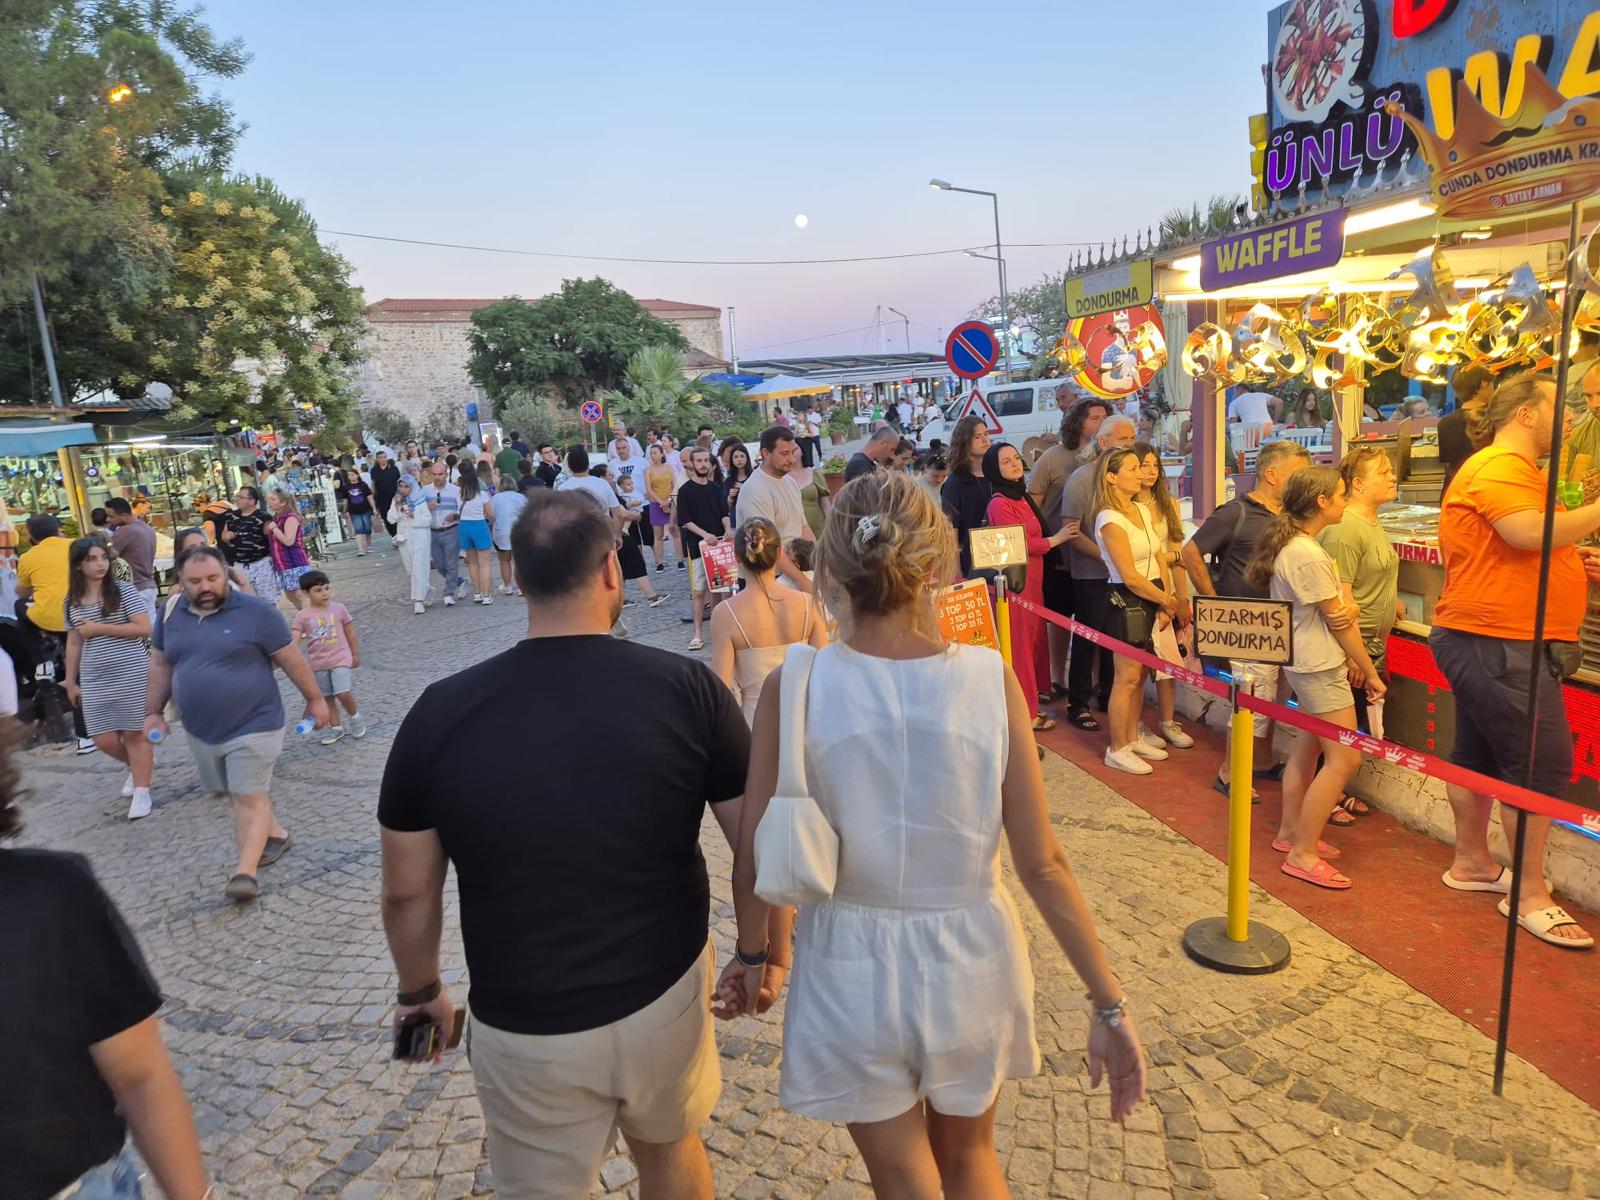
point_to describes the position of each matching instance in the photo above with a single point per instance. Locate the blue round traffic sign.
(591, 411)
(972, 350)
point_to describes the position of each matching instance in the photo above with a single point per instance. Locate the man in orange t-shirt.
(1491, 529)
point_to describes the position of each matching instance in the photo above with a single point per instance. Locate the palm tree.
(1184, 226)
(655, 391)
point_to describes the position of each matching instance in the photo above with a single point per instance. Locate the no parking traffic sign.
(972, 350)
(591, 411)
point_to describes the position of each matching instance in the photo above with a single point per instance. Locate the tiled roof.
(409, 309)
(696, 359)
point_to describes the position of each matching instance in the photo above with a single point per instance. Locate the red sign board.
(965, 615)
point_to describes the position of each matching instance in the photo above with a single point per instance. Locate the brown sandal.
(1042, 723)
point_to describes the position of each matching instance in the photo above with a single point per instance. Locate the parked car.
(1026, 410)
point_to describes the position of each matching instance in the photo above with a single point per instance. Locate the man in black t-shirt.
(549, 468)
(702, 515)
(585, 901)
(1473, 387)
(1229, 537)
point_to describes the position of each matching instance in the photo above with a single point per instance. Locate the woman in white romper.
(912, 997)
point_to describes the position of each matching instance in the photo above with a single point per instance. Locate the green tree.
(97, 97)
(538, 418)
(655, 392)
(388, 425)
(1186, 225)
(576, 342)
(254, 320)
(1038, 312)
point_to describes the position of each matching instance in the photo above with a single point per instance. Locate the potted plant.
(840, 422)
(833, 472)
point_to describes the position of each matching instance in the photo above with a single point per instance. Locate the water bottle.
(304, 725)
(155, 735)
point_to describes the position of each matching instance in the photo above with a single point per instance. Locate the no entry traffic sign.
(591, 411)
(972, 350)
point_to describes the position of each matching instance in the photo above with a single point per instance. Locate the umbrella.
(781, 387)
(742, 381)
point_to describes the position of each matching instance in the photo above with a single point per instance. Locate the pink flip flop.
(1325, 849)
(1323, 875)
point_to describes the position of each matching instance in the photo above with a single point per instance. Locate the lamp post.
(907, 321)
(999, 255)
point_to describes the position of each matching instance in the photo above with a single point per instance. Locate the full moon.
(801, 221)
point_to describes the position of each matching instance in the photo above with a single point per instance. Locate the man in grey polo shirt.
(214, 653)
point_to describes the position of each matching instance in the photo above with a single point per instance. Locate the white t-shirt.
(777, 499)
(906, 413)
(472, 510)
(1143, 541)
(597, 489)
(1305, 574)
(632, 467)
(814, 423)
(1253, 408)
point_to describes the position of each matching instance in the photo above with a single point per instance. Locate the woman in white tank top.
(912, 998)
(752, 632)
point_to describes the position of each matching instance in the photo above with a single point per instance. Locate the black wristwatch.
(749, 960)
(420, 996)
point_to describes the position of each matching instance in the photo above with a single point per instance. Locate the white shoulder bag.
(797, 851)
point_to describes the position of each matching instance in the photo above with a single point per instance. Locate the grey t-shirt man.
(776, 498)
(222, 677)
(1077, 500)
(135, 544)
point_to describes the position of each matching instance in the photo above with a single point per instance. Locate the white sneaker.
(450, 601)
(1149, 746)
(488, 598)
(507, 590)
(141, 804)
(1128, 760)
(1175, 735)
(127, 787)
(419, 608)
(86, 746)
(336, 734)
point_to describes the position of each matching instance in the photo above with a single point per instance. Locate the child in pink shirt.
(326, 633)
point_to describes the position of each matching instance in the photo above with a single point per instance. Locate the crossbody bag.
(797, 851)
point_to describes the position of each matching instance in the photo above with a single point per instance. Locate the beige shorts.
(553, 1104)
(1261, 681)
(241, 766)
(1322, 692)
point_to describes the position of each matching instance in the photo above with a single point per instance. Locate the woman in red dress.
(1011, 505)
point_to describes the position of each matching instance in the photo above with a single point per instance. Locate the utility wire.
(681, 262)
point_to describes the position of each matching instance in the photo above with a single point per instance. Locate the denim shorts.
(115, 1179)
(475, 535)
(1489, 677)
(335, 680)
(361, 522)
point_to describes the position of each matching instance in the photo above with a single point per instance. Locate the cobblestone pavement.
(1331, 1079)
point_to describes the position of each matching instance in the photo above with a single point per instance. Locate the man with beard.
(584, 905)
(702, 514)
(214, 650)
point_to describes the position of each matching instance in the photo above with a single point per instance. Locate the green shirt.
(1585, 439)
(506, 462)
(1368, 563)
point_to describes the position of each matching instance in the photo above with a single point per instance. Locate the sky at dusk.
(699, 132)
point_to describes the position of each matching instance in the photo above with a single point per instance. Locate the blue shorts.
(475, 535)
(289, 578)
(361, 522)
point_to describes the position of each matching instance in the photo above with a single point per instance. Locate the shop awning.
(740, 380)
(781, 387)
(25, 438)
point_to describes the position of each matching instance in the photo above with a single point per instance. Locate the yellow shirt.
(44, 569)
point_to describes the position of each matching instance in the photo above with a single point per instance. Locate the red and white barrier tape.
(1389, 752)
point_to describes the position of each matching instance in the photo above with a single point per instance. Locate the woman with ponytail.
(751, 632)
(1328, 655)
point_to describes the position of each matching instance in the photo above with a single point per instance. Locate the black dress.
(631, 553)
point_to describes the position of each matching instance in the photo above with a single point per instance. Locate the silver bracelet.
(1109, 1016)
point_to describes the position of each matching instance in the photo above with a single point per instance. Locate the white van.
(1025, 410)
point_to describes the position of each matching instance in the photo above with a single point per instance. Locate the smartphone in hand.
(417, 1039)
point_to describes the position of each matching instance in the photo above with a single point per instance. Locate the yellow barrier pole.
(1234, 943)
(1002, 617)
(1241, 762)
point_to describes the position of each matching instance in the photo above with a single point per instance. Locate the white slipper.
(1500, 883)
(1542, 920)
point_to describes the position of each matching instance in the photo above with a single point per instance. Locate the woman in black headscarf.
(1011, 505)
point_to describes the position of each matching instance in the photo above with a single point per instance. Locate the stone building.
(418, 350)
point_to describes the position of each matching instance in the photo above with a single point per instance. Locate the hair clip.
(867, 529)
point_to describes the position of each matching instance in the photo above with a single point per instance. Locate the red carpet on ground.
(1448, 945)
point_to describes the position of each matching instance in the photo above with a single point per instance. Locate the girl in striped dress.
(288, 541)
(108, 665)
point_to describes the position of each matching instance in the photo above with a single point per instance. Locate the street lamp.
(907, 321)
(943, 185)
